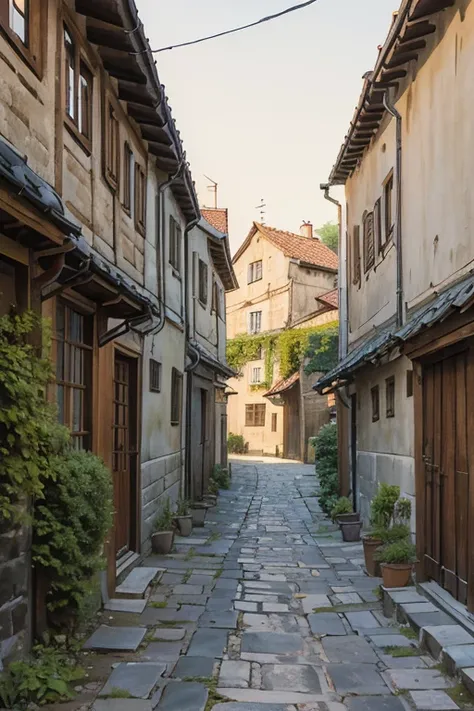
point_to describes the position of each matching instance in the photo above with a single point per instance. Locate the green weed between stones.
(215, 535)
(218, 573)
(117, 693)
(190, 554)
(408, 632)
(187, 575)
(160, 605)
(211, 684)
(402, 651)
(461, 696)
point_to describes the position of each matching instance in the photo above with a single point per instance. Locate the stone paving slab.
(432, 701)
(234, 674)
(435, 638)
(184, 696)
(192, 667)
(326, 623)
(125, 605)
(417, 679)
(272, 697)
(169, 634)
(237, 706)
(119, 639)
(362, 679)
(138, 581)
(162, 651)
(288, 677)
(458, 657)
(121, 705)
(208, 643)
(347, 650)
(271, 643)
(392, 640)
(375, 703)
(136, 679)
(226, 619)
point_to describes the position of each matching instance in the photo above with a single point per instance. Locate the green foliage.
(383, 506)
(329, 234)
(44, 678)
(235, 444)
(343, 506)
(403, 551)
(164, 520)
(30, 436)
(220, 477)
(183, 507)
(70, 526)
(402, 510)
(326, 467)
(247, 347)
(323, 349)
(398, 532)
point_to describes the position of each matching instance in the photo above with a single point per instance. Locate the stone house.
(407, 253)
(97, 206)
(286, 281)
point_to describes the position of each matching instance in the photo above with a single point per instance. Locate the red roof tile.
(217, 217)
(283, 385)
(306, 249)
(330, 298)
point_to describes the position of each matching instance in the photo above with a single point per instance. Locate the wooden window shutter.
(356, 276)
(369, 242)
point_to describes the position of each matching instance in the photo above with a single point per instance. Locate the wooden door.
(292, 439)
(446, 471)
(124, 452)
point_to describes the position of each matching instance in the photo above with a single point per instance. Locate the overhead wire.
(268, 18)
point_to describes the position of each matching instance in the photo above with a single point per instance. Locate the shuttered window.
(369, 242)
(255, 322)
(155, 376)
(175, 244)
(203, 279)
(356, 255)
(390, 397)
(375, 396)
(255, 271)
(176, 396)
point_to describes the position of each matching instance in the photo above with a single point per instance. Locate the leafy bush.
(220, 477)
(164, 520)
(30, 436)
(343, 506)
(70, 526)
(326, 467)
(326, 445)
(383, 506)
(399, 552)
(398, 532)
(44, 678)
(235, 444)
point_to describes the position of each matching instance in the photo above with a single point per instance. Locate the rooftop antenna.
(213, 189)
(261, 209)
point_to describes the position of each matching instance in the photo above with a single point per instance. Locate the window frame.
(33, 51)
(369, 241)
(155, 373)
(355, 251)
(140, 198)
(82, 68)
(111, 152)
(258, 318)
(176, 397)
(175, 235)
(375, 400)
(255, 370)
(216, 298)
(255, 271)
(378, 225)
(203, 282)
(274, 426)
(388, 229)
(253, 416)
(410, 383)
(128, 177)
(390, 396)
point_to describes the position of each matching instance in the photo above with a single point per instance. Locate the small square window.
(155, 376)
(274, 421)
(255, 322)
(375, 396)
(175, 245)
(390, 397)
(255, 415)
(409, 383)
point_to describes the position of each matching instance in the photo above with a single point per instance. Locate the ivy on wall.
(289, 348)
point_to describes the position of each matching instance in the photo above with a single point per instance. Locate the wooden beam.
(138, 94)
(419, 469)
(105, 10)
(401, 58)
(425, 8)
(416, 30)
(122, 65)
(105, 35)
(146, 115)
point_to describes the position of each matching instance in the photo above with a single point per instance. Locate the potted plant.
(162, 539)
(198, 513)
(396, 561)
(183, 518)
(381, 516)
(343, 512)
(350, 530)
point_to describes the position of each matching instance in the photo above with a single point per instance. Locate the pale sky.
(264, 112)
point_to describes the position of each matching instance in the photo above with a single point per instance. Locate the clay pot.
(348, 518)
(185, 525)
(396, 575)
(198, 515)
(351, 531)
(370, 546)
(210, 499)
(162, 542)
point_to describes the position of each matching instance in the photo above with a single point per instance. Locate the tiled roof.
(283, 385)
(307, 249)
(217, 217)
(330, 298)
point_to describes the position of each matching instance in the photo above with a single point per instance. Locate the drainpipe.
(398, 234)
(343, 280)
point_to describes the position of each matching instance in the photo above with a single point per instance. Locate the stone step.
(137, 582)
(125, 564)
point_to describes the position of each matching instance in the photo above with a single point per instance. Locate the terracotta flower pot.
(185, 525)
(162, 542)
(370, 546)
(351, 531)
(348, 518)
(198, 516)
(396, 575)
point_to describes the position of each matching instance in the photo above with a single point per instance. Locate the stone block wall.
(15, 567)
(161, 478)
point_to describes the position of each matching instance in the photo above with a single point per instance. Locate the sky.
(264, 112)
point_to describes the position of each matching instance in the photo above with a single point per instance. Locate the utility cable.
(294, 8)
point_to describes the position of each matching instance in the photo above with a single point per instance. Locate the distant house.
(286, 282)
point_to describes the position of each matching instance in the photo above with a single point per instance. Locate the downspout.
(342, 286)
(398, 232)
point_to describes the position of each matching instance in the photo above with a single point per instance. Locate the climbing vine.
(289, 348)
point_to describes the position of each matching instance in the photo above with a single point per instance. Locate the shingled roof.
(217, 217)
(308, 250)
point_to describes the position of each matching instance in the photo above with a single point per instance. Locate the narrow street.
(239, 619)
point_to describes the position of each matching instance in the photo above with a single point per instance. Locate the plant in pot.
(396, 561)
(183, 517)
(162, 539)
(382, 512)
(343, 512)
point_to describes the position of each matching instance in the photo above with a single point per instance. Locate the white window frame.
(255, 322)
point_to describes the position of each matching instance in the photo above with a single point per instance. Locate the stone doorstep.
(137, 582)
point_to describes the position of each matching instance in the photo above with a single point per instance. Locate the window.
(356, 276)
(390, 397)
(176, 396)
(74, 372)
(378, 225)
(255, 322)
(255, 271)
(140, 198)
(175, 244)
(127, 176)
(203, 278)
(216, 298)
(24, 23)
(255, 376)
(78, 89)
(112, 159)
(369, 242)
(274, 421)
(255, 415)
(409, 383)
(19, 19)
(375, 395)
(388, 207)
(155, 376)
(259, 353)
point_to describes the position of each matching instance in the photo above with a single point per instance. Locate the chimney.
(306, 229)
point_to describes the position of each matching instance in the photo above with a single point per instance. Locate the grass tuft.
(461, 696)
(402, 651)
(117, 693)
(160, 605)
(409, 632)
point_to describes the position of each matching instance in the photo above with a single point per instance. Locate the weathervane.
(261, 209)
